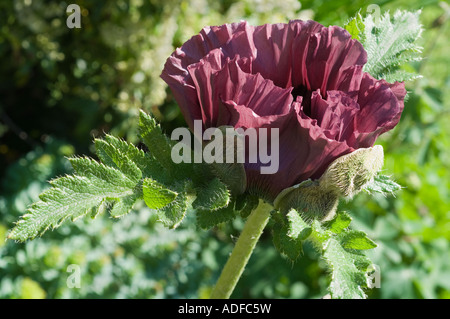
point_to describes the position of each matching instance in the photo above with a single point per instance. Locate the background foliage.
(60, 88)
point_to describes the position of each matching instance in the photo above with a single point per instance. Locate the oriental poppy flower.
(301, 77)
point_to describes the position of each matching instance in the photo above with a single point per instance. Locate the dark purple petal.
(335, 115)
(327, 59)
(381, 106)
(302, 78)
(175, 72)
(271, 48)
(218, 79)
(184, 93)
(305, 152)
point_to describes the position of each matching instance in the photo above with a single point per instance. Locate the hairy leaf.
(342, 249)
(355, 26)
(390, 43)
(207, 219)
(212, 196)
(109, 148)
(382, 184)
(289, 232)
(339, 223)
(156, 196)
(172, 215)
(355, 239)
(77, 195)
(157, 142)
(298, 228)
(347, 276)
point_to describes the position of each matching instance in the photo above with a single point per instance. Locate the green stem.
(242, 251)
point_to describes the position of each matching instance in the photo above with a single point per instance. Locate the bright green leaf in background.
(390, 42)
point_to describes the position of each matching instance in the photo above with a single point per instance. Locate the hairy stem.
(242, 251)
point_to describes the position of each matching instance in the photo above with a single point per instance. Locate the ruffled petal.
(217, 79)
(175, 72)
(335, 115)
(304, 151)
(327, 59)
(249, 77)
(381, 106)
(209, 38)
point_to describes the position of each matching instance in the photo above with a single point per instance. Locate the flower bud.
(348, 174)
(344, 177)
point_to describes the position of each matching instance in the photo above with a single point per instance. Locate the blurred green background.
(61, 87)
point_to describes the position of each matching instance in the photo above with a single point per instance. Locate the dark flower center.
(303, 91)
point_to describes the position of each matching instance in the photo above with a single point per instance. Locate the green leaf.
(114, 157)
(288, 234)
(124, 205)
(382, 184)
(250, 203)
(291, 248)
(355, 26)
(89, 192)
(161, 167)
(212, 196)
(348, 274)
(342, 250)
(390, 43)
(91, 169)
(146, 163)
(156, 195)
(356, 239)
(298, 228)
(172, 215)
(207, 219)
(339, 223)
(157, 142)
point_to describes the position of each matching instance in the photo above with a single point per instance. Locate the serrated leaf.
(124, 205)
(400, 75)
(290, 246)
(156, 195)
(100, 209)
(212, 196)
(382, 184)
(172, 215)
(298, 228)
(207, 219)
(355, 26)
(147, 164)
(347, 279)
(319, 233)
(391, 43)
(114, 157)
(339, 223)
(251, 202)
(355, 239)
(90, 168)
(74, 196)
(157, 142)
(342, 249)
